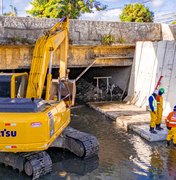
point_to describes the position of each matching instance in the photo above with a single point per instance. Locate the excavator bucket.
(64, 90)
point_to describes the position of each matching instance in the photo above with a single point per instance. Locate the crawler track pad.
(80, 143)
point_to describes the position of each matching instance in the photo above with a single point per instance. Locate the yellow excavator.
(30, 125)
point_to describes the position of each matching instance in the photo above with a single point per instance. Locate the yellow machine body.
(32, 131)
(30, 124)
(29, 138)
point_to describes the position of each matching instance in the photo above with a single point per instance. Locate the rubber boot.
(168, 143)
(158, 127)
(152, 130)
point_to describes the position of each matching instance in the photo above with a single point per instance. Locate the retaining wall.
(153, 59)
(81, 32)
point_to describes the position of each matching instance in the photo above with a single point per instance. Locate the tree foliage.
(174, 22)
(136, 13)
(61, 8)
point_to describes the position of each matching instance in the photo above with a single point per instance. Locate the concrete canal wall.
(81, 32)
(152, 60)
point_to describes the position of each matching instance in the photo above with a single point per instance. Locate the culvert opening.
(101, 83)
(97, 84)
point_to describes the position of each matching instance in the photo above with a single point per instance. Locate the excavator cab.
(13, 85)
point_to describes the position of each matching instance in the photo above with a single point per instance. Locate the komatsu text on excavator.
(30, 125)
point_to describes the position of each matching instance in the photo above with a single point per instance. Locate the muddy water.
(122, 156)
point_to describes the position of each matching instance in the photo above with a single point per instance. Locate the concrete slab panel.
(146, 72)
(167, 73)
(161, 50)
(171, 95)
(153, 60)
(143, 131)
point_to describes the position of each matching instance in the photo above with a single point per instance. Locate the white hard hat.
(155, 91)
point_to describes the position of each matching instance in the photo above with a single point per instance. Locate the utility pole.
(13, 11)
(1, 7)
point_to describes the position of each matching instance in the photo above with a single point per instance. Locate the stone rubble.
(87, 92)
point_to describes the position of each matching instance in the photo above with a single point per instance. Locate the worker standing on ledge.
(171, 126)
(159, 100)
(153, 112)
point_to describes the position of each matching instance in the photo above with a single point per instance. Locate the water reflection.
(122, 155)
(171, 163)
(65, 166)
(68, 162)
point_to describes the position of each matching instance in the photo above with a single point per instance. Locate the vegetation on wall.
(136, 13)
(107, 39)
(121, 40)
(61, 8)
(20, 40)
(174, 22)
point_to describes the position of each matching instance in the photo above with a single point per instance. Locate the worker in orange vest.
(171, 125)
(153, 112)
(159, 100)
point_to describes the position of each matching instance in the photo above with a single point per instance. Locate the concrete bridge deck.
(20, 56)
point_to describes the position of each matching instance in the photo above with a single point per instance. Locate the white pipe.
(51, 62)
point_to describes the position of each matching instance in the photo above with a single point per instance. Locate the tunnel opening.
(97, 83)
(101, 83)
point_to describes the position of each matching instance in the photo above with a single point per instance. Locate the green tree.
(60, 8)
(136, 13)
(174, 22)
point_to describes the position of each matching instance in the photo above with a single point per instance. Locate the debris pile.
(88, 92)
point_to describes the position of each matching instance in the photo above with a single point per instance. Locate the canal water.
(122, 156)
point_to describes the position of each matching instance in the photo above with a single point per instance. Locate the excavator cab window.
(5, 86)
(13, 85)
(20, 86)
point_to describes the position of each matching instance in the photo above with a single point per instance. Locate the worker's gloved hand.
(154, 112)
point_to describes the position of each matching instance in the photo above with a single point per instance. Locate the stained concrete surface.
(152, 60)
(130, 117)
(143, 131)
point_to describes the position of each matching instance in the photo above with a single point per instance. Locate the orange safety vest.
(159, 100)
(171, 119)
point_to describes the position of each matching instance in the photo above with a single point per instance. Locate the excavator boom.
(42, 59)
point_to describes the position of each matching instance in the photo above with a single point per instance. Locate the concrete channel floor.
(130, 117)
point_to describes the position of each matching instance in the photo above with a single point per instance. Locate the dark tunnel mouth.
(87, 89)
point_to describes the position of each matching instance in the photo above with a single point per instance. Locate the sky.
(163, 9)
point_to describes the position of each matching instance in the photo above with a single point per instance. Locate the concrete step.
(143, 131)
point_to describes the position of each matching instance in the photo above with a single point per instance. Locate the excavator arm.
(56, 37)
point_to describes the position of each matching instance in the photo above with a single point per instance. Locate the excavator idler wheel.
(37, 164)
(28, 168)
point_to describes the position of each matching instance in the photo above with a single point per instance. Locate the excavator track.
(34, 164)
(80, 143)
